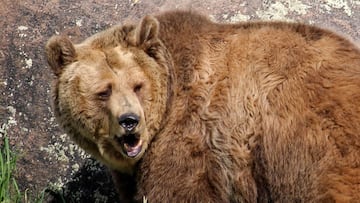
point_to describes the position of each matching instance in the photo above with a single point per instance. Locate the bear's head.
(110, 92)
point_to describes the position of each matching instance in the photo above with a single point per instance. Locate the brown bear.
(247, 112)
(103, 106)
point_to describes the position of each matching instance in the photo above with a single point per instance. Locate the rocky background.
(47, 158)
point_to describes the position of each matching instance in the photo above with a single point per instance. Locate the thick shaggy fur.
(253, 112)
(266, 112)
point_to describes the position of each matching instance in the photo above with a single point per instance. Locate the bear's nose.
(129, 121)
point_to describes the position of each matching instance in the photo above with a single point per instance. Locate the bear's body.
(250, 112)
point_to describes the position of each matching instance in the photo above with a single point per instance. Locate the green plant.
(9, 190)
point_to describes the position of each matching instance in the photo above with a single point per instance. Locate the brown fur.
(91, 91)
(250, 112)
(90, 95)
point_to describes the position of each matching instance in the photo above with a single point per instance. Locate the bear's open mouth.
(131, 144)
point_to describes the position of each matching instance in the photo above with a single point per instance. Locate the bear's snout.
(129, 121)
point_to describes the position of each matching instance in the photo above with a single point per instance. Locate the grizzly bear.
(246, 112)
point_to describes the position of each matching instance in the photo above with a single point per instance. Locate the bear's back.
(263, 111)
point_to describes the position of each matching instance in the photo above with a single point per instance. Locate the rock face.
(47, 157)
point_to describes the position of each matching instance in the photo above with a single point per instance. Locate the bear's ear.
(147, 31)
(60, 52)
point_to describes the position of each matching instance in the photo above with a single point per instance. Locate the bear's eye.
(104, 95)
(137, 88)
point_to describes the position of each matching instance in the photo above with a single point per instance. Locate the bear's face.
(108, 98)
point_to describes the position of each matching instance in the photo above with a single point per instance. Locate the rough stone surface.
(48, 159)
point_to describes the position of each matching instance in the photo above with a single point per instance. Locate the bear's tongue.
(132, 151)
(132, 145)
